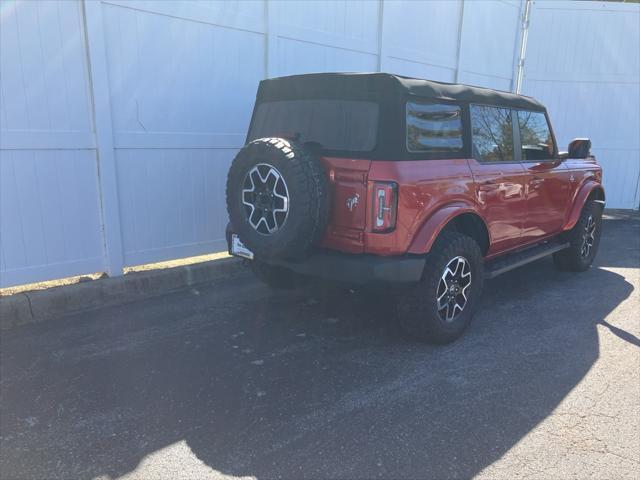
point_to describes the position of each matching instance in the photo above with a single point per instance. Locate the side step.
(517, 259)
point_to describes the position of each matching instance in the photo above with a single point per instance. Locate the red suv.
(426, 188)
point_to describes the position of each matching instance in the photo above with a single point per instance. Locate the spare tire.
(277, 198)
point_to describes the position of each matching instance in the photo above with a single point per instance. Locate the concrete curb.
(38, 305)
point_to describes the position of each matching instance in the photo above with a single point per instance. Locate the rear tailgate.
(348, 193)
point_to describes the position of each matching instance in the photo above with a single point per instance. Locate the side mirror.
(579, 148)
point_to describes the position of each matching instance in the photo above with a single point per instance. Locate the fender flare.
(580, 199)
(431, 228)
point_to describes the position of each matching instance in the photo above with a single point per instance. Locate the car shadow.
(401, 410)
(622, 334)
(316, 383)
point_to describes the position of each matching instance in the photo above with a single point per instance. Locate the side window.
(434, 127)
(492, 133)
(535, 136)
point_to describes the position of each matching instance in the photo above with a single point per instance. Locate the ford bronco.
(425, 188)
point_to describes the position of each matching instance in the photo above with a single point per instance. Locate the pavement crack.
(30, 305)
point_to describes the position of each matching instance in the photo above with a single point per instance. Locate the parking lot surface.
(233, 380)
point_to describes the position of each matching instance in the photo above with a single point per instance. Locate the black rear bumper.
(358, 269)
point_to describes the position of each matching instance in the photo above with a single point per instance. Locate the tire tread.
(417, 317)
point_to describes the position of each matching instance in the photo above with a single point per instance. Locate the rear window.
(342, 125)
(434, 127)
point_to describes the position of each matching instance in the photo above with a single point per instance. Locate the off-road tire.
(307, 187)
(571, 258)
(276, 277)
(417, 309)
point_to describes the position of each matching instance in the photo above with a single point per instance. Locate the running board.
(514, 260)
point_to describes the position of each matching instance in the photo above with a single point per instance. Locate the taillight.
(385, 206)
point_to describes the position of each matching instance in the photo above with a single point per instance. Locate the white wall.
(50, 217)
(584, 65)
(119, 119)
(490, 43)
(182, 79)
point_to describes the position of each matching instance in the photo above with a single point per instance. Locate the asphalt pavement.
(230, 379)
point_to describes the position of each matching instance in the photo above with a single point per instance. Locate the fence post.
(107, 178)
(382, 51)
(521, 50)
(270, 38)
(459, 49)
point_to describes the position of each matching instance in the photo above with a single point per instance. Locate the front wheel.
(441, 306)
(584, 239)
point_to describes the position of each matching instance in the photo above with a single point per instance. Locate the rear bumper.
(358, 269)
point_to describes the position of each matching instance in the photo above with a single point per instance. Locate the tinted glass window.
(433, 127)
(492, 133)
(535, 136)
(349, 125)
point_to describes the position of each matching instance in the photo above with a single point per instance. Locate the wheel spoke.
(285, 202)
(260, 221)
(441, 294)
(248, 191)
(451, 311)
(267, 217)
(446, 315)
(458, 267)
(256, 177)
(463, 292)
(456, 305)
(272, 179)
(466, 271)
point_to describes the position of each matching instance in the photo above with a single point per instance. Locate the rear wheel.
(584, 239)
(441, 306)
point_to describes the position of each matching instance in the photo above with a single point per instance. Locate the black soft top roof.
(385, 86)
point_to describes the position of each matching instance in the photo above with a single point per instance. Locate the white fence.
(584, 65)
(119, 119)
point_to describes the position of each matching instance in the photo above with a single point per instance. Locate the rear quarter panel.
(347, 180)
(425, 186)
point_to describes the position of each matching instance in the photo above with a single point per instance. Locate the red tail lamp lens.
(385, 206)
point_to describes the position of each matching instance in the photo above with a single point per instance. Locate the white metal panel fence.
(50, 216)
(182, 79)
(119, 119)
(583, 62)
